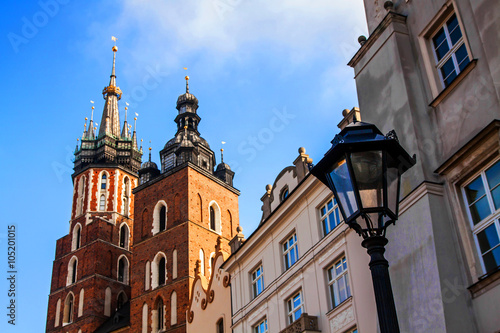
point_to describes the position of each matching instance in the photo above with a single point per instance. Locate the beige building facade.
(431, 71)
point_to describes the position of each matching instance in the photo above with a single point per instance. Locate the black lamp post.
(363, 169)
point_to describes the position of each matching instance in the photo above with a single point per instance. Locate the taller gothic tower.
(183, 209)
(90, 277)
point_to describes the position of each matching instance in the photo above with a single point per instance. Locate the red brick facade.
(98, 252)
(187, 193)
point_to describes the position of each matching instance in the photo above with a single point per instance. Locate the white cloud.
(173, 31)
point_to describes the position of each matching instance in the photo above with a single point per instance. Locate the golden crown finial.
(93, 107)
(114, 48)
(135, 118)
(86, 118)
(185, 127)
(187, 78)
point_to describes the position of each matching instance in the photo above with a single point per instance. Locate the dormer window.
(284, 193)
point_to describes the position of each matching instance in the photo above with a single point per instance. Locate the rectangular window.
(338, 282)
(450, 51)
(290, 251)
(257, 281)
(261, 327)
(482, 196)
(294, 306)
(330, 216)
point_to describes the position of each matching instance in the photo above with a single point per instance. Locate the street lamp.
(363, 169)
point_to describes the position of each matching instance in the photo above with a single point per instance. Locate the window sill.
(442, 95)
(485, 284)
(339, 307)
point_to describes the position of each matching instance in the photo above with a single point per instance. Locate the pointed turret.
(110, 121)
(134, 136)
(125, 130)
(110, 147)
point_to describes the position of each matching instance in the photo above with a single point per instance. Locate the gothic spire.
(125, 130)
(110, 121)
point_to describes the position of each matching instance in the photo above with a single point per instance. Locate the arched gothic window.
(72, 270)
(77, 235)
(220, 325)
(158, 270)
(212, 218)
(159, 315)
(173, 308)
(122, 299)
(68, 309)
(145, 318)
(126, 194)
(123, 269)
(163, 218)
(124, 236)
(215, 217)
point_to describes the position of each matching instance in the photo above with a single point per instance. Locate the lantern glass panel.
(368, 174)
(392, 184)
(345, 193)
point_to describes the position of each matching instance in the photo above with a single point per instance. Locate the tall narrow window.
(330, 216)
(202, 262)
(121, 270)
(290, 251)
(124, 235)
(147, 277)
(212, 218)
(104, 181)
(126, 193)
(338, 282)
(58, 312)
(161, 271)
(163, 218)
(482, 197)
(160, 315)
(68, 309)
(257, 281)
(77, 235)
(173, 308)
(220, 325)
(107, 302)
(72, 270)
(174, 264)
(450, 51)
(145, 318)
(294, 306)
(122, 299)
(102, 203)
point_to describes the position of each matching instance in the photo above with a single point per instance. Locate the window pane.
(493, 175)
(492, 259)
(480, 210)
(341, 179)
(488, 238)
(474, 190)
(462, 57)
(454, 29)
(448, 72)
(440, 44)
(496, 196)
(331, 219)
(323, 211)
(330, 205)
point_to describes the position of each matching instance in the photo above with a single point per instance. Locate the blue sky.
(270, 77)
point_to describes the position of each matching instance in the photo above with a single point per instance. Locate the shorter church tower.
(91, 271)
(183, 208)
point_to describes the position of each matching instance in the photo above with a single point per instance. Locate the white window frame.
(322, 217)
(452, 48)
(286, 252)
(217, 214)
(261, 324)
(333, 282)
(290, 312)
(255, 280)
(492, 219)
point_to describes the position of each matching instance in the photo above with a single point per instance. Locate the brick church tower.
(90, 277)
(183, 208)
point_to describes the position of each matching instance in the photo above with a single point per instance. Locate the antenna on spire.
(126, 108)
(187, 81)
(114, 48)
(92, 116)
(149, 150)
(222, 152)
